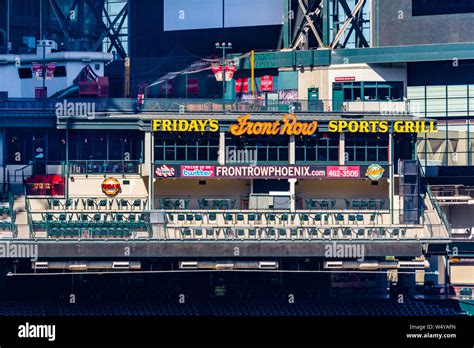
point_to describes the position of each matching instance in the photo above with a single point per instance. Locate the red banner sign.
(167, 87)
(266, 83)
(242, 85)
(193, 86)
(345, 78)
(343, 172)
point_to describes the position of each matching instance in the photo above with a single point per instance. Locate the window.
(322, 148)
(25, 73)
(105, 145)
(370, 91)
(60, 71)
(439, 7)
(186, 147)
(268, 149)
(367, 148)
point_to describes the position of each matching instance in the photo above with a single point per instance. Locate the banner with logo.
(165, 171)
(266, 83)
(50, 69)
(242, 85)
(372, 172)
(197, 171)
(37, 70)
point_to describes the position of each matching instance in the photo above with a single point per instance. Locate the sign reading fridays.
(289, 125)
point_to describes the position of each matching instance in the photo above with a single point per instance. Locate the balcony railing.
(104, 167)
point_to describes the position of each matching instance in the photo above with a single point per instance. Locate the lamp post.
(223, 46)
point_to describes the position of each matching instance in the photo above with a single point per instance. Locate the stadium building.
(345, 151)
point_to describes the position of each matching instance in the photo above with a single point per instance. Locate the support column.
(148, 167)
(222, 149)
(292, 194)
(292, 150)
(391, 175)
(342, 148)
(326, 24)
(286, 24)
(66, 169)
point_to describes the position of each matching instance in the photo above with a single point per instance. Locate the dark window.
(439, 7)
(366, 147)
(322, 147)
(186, 147)
(25, 73)
(60, 71)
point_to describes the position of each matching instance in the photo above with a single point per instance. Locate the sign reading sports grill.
(260, 172)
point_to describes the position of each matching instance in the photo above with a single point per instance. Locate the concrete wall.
(190, 189)
(181, 188)
(460, 216)
(340, 189)
(324, 77)
(90, 187)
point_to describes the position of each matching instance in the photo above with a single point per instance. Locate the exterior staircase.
(23, 228)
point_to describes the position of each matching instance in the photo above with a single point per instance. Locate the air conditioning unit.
(413, 264)
(188, 265)
(268, 265)
(40, 265)
(333, 264)
(120, 265)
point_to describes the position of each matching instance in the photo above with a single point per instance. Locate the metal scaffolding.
(329, 23)
(71, 16)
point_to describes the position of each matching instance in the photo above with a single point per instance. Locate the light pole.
(223, 46)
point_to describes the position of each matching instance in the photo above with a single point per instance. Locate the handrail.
(434, 201)
(22, 169)
(438, 209)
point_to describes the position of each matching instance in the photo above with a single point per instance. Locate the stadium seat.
(282, 232)
(241, 233)
(252, 232)
(346, 232)
(102, 203)
(137, 203)
(228, 217)
(203, 203)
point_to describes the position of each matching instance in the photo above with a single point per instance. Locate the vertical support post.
(8, 26)
(222, 152)
(44, 73)
(292, 194)
(286, 24)
(252, 72)
(67, 161)
(391, 174)
(151, 182)
(292, 150)
(342, 148)
(148, 165)
(224, 79)
(326, 18)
